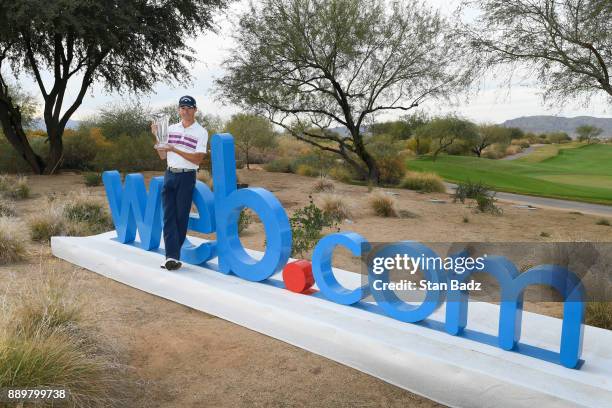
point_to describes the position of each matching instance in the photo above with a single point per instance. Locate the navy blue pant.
(177, 194)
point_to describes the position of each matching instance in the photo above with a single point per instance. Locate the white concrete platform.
(451, 370)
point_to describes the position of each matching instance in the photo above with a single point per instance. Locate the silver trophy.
(160, 121)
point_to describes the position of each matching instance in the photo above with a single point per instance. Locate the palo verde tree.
(124, 44)
(587, 133)
(566, 44)
(251, 131)
(319, 64)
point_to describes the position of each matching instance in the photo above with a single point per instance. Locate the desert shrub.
(47, 222)
(307, 223)
(82, 208)
(314, 163)
(599, 314)
(459, 148)
(470, 189)
(244, 220)
(486, 203)
(335, 207)
(391, 169)
(282, 165)
(524, 143)
(129, 154)
(7, 208)
(12, 162)
(306, 170)
(92, 179)
(288, 146)
(12, 242)
(323, 186)
(383, 205)
(419, 146)
(390, 163)
(513, 149)
(603, 221)
(495, 151)
(425, 182)
(340, 173)
(80, 149)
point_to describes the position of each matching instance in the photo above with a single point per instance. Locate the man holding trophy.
(183, 146)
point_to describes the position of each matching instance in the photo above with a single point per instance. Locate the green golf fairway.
(583, 173)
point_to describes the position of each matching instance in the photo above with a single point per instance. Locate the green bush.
(12, 162)
(424, 182)
(92, 179)
(603, 221)
(306, 170)
(80, 150)
(470, 189)
(130, 154)
(384, 150)
(307, 223)
(486, 204)
(84, 209)
(282, 165)
(244, 220)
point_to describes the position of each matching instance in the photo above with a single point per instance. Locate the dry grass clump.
(383, 205)
(599, 314)
(78, 214)
(47, 222)
(14, 187)
(323, 186)
(90, 212)
(335, 207)
(12, 241)
(424, 182)
(43, 343)
(7, 208)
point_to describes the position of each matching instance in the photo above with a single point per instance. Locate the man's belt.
(177, 170)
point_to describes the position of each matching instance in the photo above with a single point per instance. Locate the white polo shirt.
(192, 139)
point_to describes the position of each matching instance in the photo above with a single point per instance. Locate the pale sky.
(492, 104)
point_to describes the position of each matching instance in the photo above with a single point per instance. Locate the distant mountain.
(544, 124)
(39, 124)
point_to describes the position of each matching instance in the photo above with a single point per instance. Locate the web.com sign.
(134, 209)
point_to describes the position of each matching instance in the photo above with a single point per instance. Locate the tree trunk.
(56, 148)
(10, 117)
